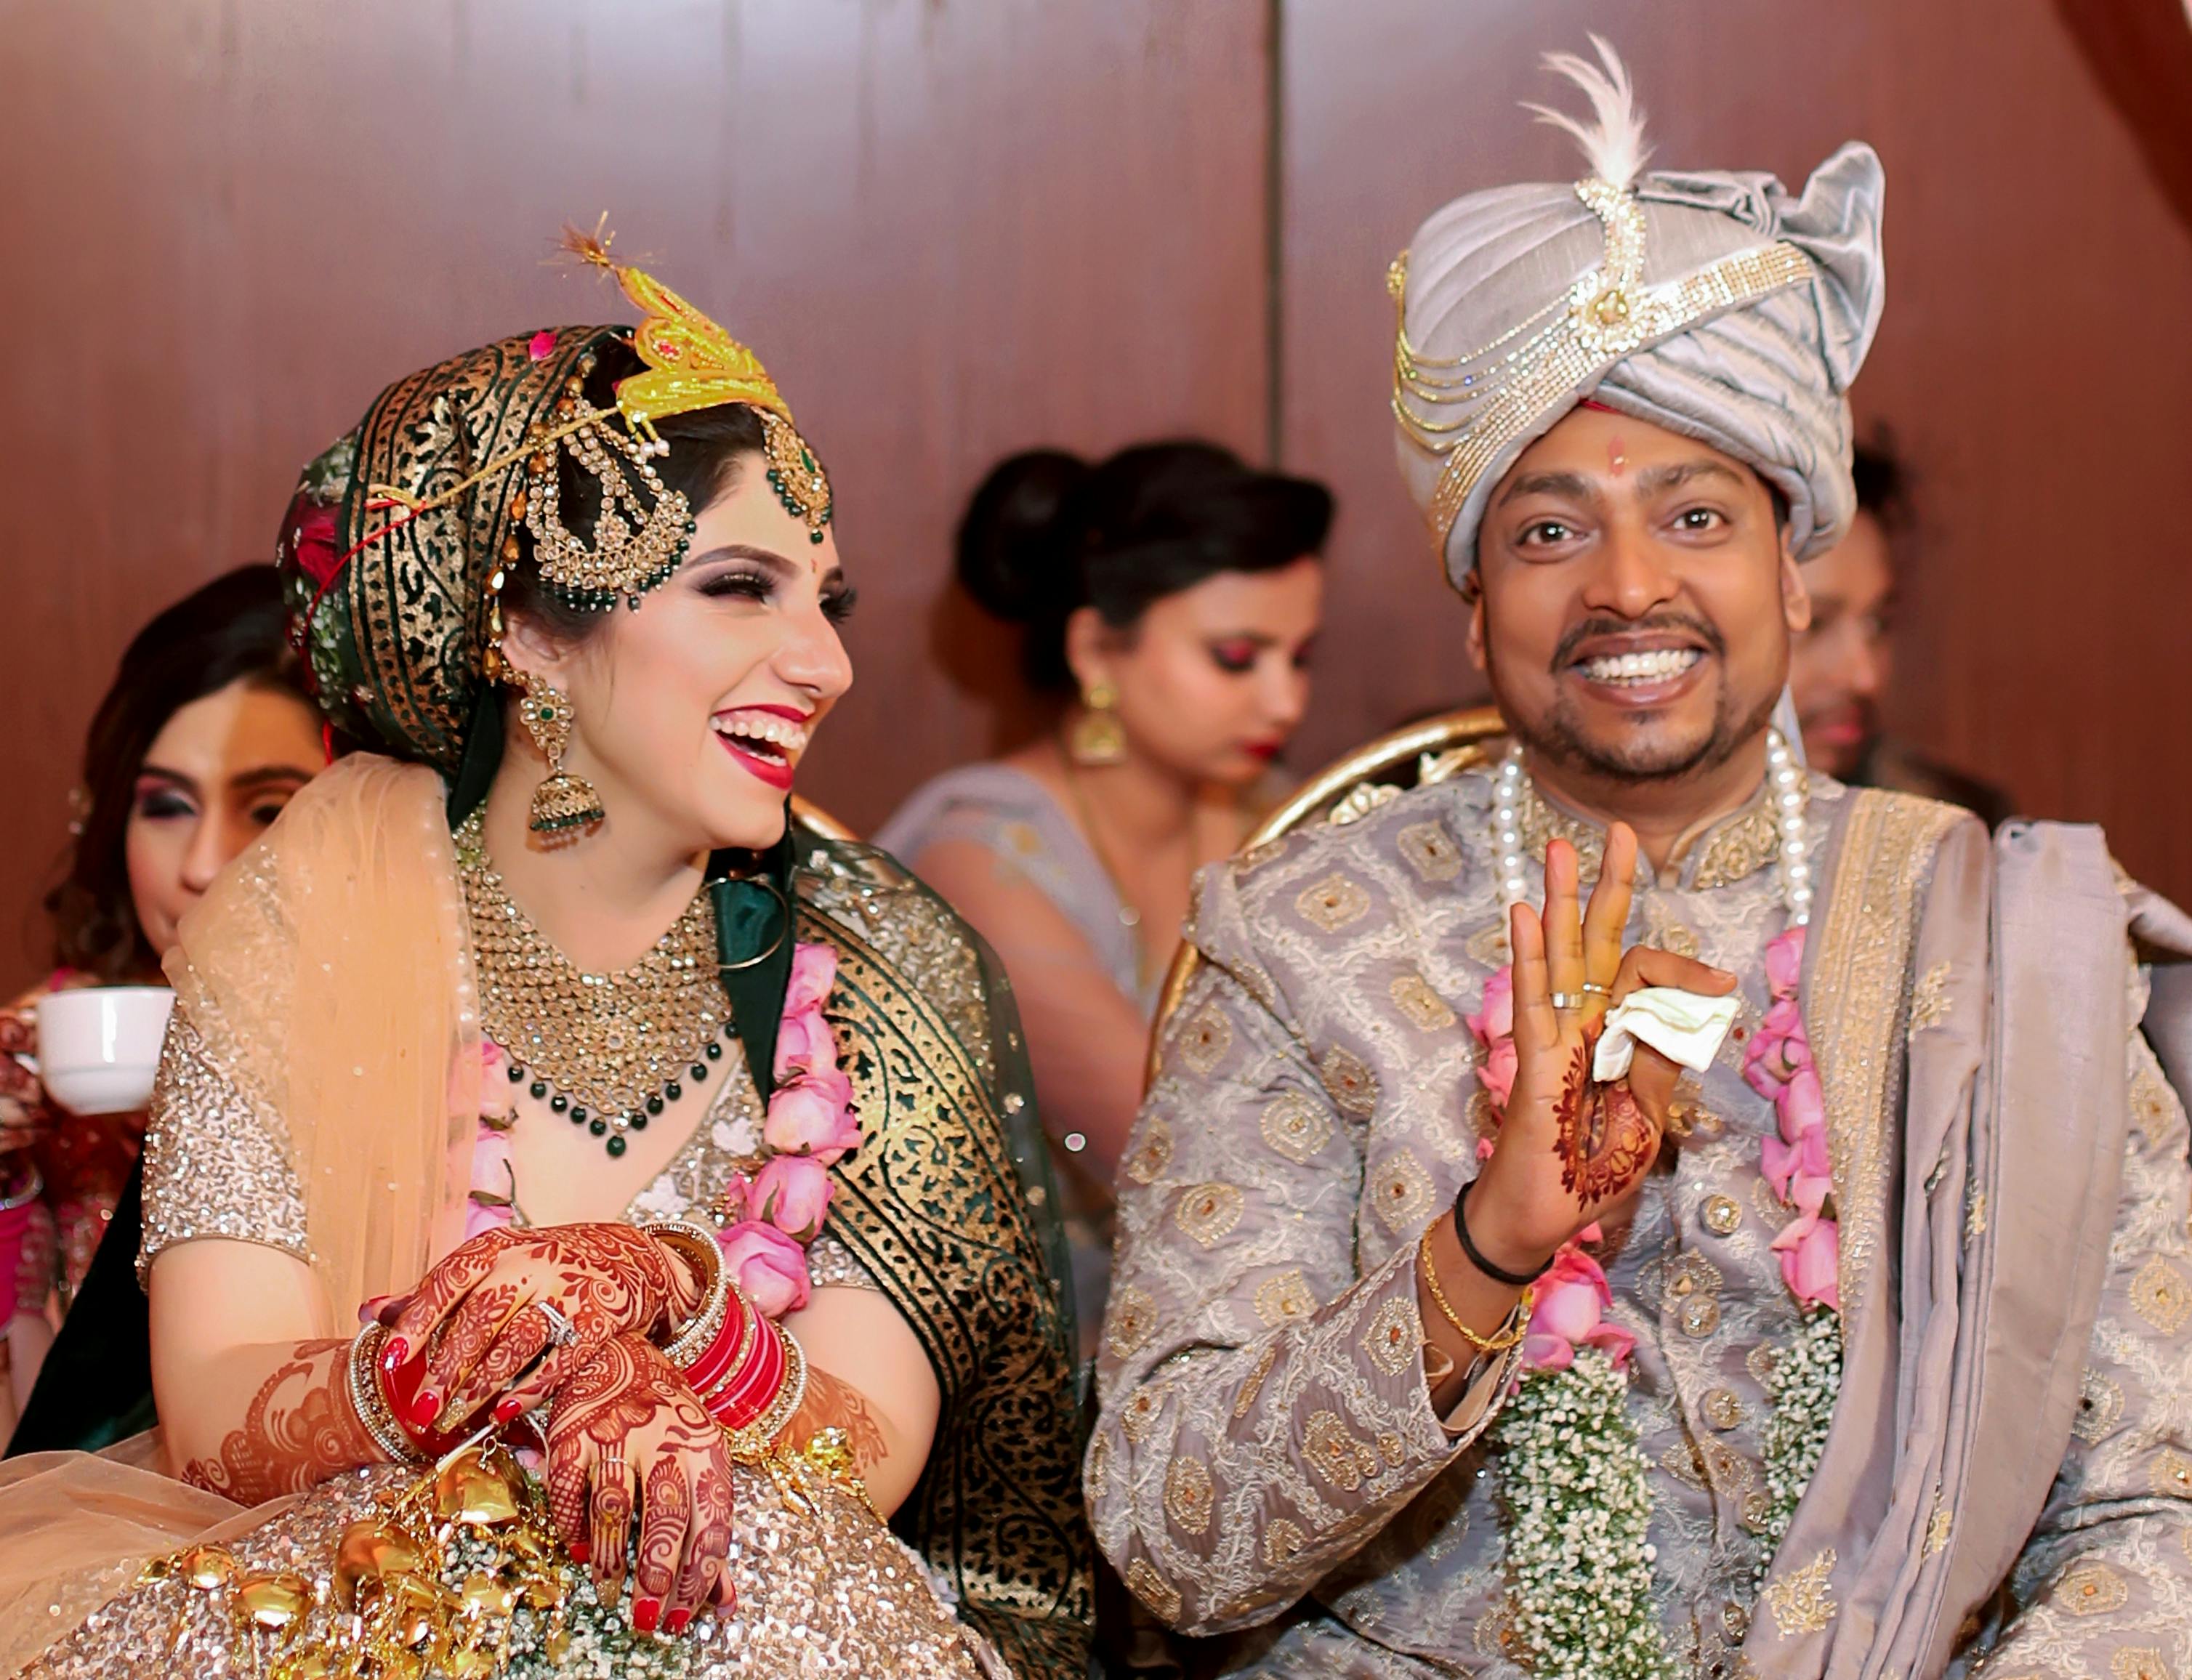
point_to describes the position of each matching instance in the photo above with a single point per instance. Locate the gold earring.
(563, 802)
(1097, 739)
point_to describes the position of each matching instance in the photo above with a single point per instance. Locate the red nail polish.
(678, 1619)
(647, 1614)
(394, 1351)
(582, 1551)
(507, 1408)
(425, 1409)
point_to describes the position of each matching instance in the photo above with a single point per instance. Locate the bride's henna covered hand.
(478, 1314)
(625, 1432)
(299, 1430)
(1571, 1151)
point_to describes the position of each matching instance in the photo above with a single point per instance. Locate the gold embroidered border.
(1854, 1001)
(932, 1204)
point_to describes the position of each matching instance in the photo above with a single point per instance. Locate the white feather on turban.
(1712, 304)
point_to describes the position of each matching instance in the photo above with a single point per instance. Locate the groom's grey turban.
(1713, 305)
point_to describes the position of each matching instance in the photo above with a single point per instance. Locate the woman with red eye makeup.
(198, 744)
(1170, 597)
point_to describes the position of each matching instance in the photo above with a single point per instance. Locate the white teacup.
(99, 1046)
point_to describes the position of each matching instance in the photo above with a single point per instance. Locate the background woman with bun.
(1170, 596)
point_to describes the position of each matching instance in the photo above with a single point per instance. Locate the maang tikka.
(563, 802)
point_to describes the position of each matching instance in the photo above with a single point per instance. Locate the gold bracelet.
(367, 1400)
(753, 1444)
(697, 1246)
(1511, 1329)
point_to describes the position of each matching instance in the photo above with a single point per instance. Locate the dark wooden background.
(958, 227)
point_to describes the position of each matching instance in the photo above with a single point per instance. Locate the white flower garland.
(1578, 1497)
(1806, 1378)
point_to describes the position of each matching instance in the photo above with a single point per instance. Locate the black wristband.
(1498, 1274)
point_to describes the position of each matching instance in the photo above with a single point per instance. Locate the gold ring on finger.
(1591, 988)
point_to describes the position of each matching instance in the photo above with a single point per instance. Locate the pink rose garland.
(1778, 1064)
(810, 1126)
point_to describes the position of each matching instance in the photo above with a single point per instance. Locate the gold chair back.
(1349, 789)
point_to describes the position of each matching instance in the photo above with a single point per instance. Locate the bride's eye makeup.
(158, 800)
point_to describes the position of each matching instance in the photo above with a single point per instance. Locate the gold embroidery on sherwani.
(1153, 1155)
(1295, 1126)
(2144, 1662)
(1143, 1413)
(1394, 1340)
(1929, 999)
(1335, 1454)
(1859, 960)
(2100, 1404)
(1127, 1325)
(2090, 1587)
(1152, 1589)
(1283, 1541)
(1205, 1039)
(2151, 1108)
(1245, 1402)
(1430, 850)
(1939, 1526)
(1803, 1601)
(2161, 1295)
(1187, 1497)
(1347, 1077)
(1208, 1211)
(1285, 1297)
(2172, 1474)
(1412, 995)
(1404, 1191)
(1741, 848)
(1332, 903)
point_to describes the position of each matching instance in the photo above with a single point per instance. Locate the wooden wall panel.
(951, 227)
(2036, 348)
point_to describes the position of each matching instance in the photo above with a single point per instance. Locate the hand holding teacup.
(1572, 1149)
(98, 1047)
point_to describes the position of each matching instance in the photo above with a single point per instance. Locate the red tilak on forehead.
(1617, 458)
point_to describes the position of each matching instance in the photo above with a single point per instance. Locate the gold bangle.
(1511, 1330)
(368, 1401)
(694, 1337)
(753, 1443)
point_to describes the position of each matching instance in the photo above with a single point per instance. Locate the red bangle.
(746, 1395)
(731, 1345)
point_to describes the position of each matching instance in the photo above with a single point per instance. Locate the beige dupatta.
(329, 974)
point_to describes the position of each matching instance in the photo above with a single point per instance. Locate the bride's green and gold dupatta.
(326, 1043)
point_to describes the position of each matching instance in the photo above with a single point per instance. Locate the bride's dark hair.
(1049, 533)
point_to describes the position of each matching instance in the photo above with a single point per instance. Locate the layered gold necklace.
(609, 1051)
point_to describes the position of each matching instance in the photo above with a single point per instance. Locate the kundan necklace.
(608, 1049)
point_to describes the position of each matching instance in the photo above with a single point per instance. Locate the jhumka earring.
(563, 802)
(1096, 738)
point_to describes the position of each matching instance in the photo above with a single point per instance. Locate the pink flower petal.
(768, 1265)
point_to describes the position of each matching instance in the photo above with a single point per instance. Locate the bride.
(593, 1220)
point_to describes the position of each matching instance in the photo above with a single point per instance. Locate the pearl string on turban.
(1712, 304)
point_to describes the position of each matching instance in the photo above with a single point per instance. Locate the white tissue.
(1684, 1027)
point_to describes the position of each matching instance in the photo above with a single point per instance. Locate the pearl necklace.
(1785, 786)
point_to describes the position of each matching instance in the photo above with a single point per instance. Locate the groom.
(1863, 1350)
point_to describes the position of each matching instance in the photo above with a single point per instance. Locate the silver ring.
(561, 1332)
(1567, 999)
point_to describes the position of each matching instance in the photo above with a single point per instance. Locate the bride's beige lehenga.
(328, 984)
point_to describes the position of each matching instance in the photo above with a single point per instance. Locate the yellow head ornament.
(693, 363)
